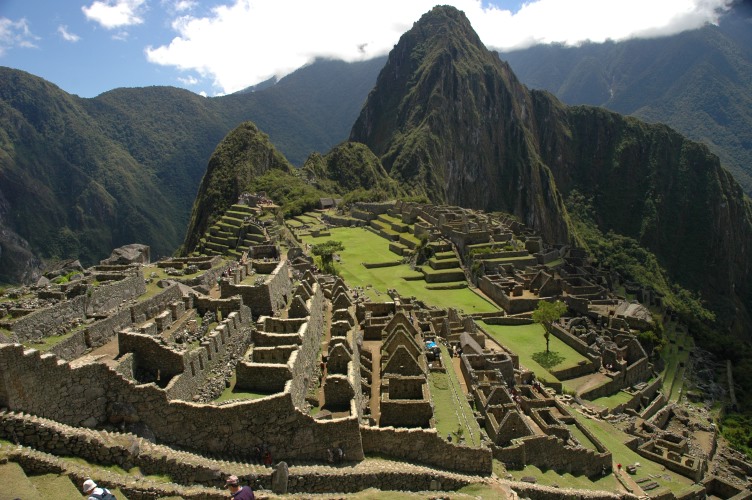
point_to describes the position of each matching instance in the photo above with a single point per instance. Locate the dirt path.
(375, 347)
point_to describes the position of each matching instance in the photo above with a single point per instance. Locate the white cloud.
(15, 34)
(184, 5)
(113, 14)
(249, 41)
(121, 36)
(62, 30)
(189, 80)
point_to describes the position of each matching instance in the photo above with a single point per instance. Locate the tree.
(325, 251)
(546, 313)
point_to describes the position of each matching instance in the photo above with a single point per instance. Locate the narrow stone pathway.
(374, 346)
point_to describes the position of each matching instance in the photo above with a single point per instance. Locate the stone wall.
(308, 353)
(549, 452)
(149, 308)
(426, 447)
(110, 295)
(265, 299)
(578, 370)
(128, 450)
(273, 377)
(85, 395)
(636, 372)
(101, 332)
(151, 356)
(265, 378)
(45, 322)
(572, 341)
(72, 347)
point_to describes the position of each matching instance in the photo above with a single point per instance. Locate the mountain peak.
(450, 120)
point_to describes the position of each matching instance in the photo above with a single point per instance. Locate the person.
(238, 492)
(94, 492)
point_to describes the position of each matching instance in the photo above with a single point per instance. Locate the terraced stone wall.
(424, 446)
(110, 295)
(265, 299)
(84, 396)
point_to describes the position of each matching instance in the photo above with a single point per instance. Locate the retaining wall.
(84, 396)
(426, 447)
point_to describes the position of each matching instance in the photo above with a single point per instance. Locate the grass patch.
(550, 478)
(47, 343)
(613, 400)
(230, 394)
(451, 410)
(675, 356)
(361, 245)
(548, 359)
(528, 343)
(613, 439)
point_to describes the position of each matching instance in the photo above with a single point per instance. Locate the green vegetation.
(230, 393)
(325, 252)
(545, 314)
(737, 428)
(613, 400)
(549, 478)
(614, 439)
(451, 409)
(527, 341)
(243, 155)
(362, 245)
(334, 173)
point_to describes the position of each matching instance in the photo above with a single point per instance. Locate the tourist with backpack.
(94, 492)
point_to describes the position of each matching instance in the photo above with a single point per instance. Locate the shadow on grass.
(548, 359)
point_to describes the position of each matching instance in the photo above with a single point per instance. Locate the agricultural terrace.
(528, 342)
(614, 439)
(362, 245)
(675, 356)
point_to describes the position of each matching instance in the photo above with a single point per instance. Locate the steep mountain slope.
(70, 189)
(81, 176)
(241, 157)
(697, 82)
(347, 167)
(450, 119)
(310, 110)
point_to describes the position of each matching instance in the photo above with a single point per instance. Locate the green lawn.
(613, 400)
(451, 409)
(528, 343)
(613, 439)
(362, 245)
(229, 393)
(550, 478)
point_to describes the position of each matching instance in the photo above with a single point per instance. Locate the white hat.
(88, 486)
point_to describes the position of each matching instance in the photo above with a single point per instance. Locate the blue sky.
(221, 46)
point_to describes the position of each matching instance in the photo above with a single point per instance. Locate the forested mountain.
(450, 119)
(81, 176)
(697, 82)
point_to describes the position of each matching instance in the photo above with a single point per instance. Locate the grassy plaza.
(528, 343)
(362, 245)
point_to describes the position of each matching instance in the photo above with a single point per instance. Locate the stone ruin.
(228, 357)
